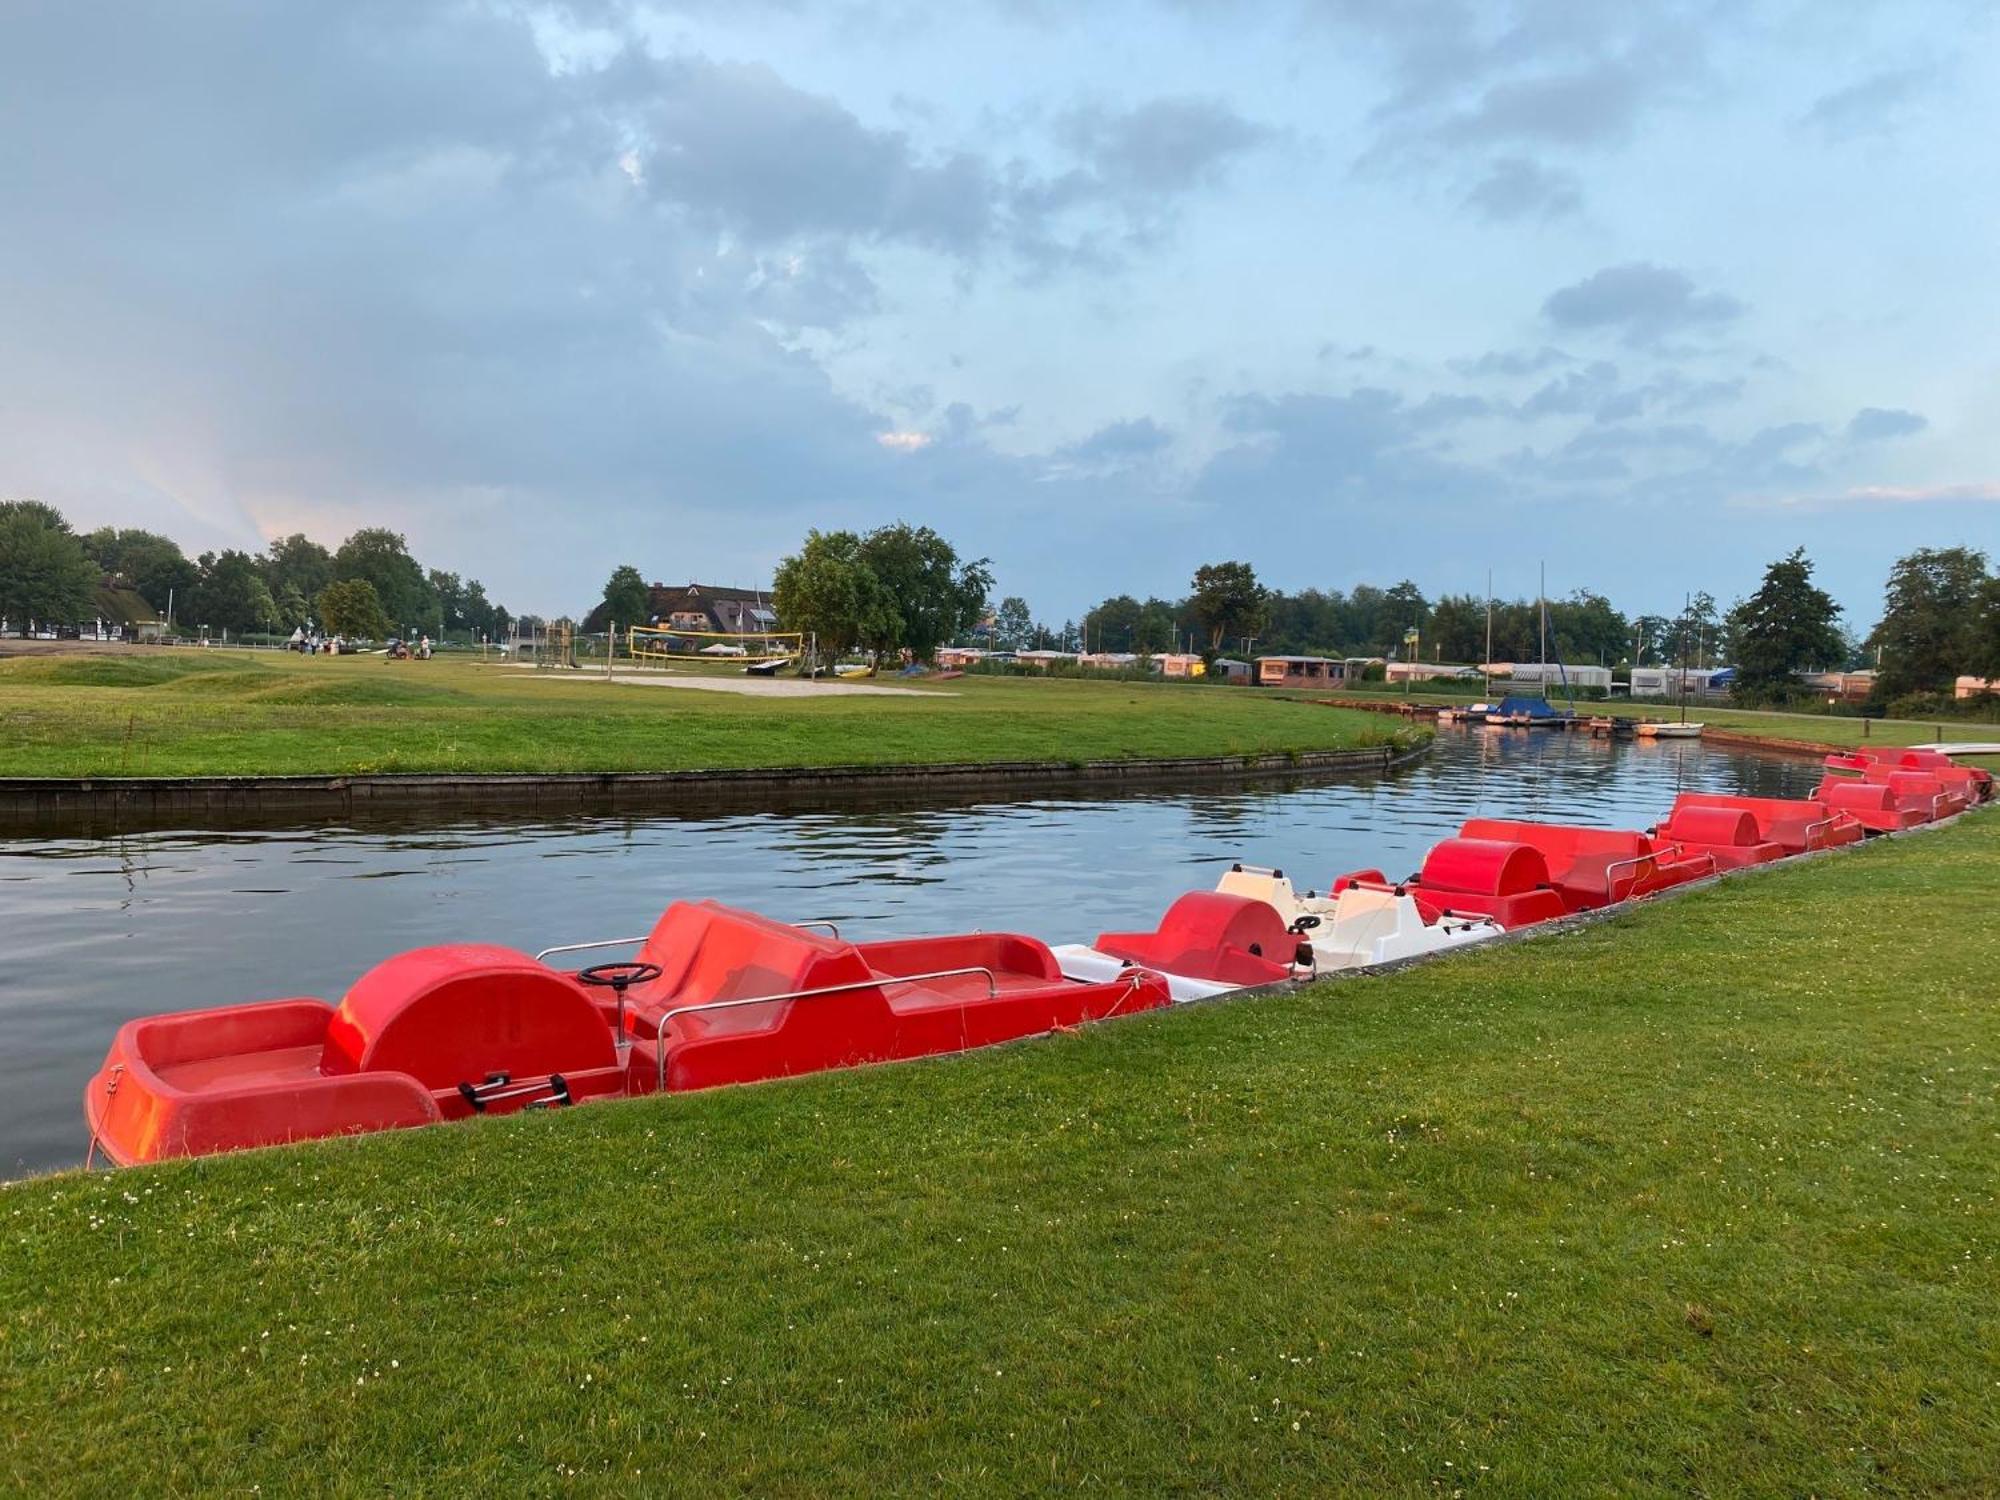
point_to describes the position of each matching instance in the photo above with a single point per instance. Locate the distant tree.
(1930, 620)
(1228, 601)
(1586, 628)
(149, 563)
(1112, 624)
(931, 594)
(502, 623)
(1069, 638)
(231, 594)
(1458, 628)
(352, 608)
(1406, 610)
(1650, 635)
(1986, 636)
(296, 562)
(1695, 634)
(1788, 626)
(294, 609)
(475, 609)
(1157, 628)
(45, 575)
(826, 591)
(1013, 626)
(626, 597)
(450, 596)
(381, 558)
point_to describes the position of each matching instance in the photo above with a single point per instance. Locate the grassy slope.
(1698, 1201)
(239, 713)
(1823, 729)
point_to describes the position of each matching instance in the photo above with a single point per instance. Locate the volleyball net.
(658, 643)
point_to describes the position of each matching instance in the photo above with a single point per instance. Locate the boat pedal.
(475, 1094)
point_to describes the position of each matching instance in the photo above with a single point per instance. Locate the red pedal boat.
(1594, 867)
(714, 996)
(1727, 835)
(1795, 827)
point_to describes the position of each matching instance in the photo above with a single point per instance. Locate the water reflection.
(104, 928)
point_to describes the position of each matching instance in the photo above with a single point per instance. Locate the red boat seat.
(1872, 804)
(849, 1004)
(1212, 935)
(457, 1013)
(1593, 867)
(1729, 836)
(1939, 795)
(1505, 880)
(201, 1081)
(1793, 826)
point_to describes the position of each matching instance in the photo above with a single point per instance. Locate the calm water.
(98, 930)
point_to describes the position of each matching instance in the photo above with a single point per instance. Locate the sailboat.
(1651, 729)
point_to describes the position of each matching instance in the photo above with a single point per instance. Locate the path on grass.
(749, 687)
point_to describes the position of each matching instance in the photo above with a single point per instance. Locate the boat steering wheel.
(618, 976)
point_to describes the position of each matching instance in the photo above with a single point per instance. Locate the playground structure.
(659, 645)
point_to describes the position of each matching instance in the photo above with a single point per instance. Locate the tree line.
(368, 587)
(1940, 621)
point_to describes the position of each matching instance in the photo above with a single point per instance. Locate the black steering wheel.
(618, 976)
(1305, 924)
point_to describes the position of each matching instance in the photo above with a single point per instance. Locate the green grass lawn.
(1698, 1201)
(191, 713)
(1823, 729)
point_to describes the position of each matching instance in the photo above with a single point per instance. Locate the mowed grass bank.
(1698, 1201)
(201, 713)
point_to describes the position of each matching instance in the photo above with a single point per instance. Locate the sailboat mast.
(1489, 633)
(1545, 629)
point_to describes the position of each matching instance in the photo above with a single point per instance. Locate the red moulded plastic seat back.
(1728, 836)
(1729, 828)
(1211, 935)
(454, 1014)
(708, 951)
(1506, 881)
(1484, 867)
(1590, 866)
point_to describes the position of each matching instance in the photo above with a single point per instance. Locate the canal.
(100, 929)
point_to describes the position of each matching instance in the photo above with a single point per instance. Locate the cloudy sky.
(1354, 289)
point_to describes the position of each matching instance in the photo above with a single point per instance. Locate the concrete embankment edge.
(27, 801)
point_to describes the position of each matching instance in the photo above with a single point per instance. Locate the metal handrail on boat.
(1635, 861)
(1819, 827)
(586, 947)
(825, 922)
(880, 981)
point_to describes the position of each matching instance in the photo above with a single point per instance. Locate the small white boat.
(1367, 923)
(1683, 731)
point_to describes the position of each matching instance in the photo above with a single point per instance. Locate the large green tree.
(152, 564)
(626, 597)
(1788, 626)
(382, 558)
(1930, 620)
(828, 593)
(350, 607)
(231, 594)
(45, 575)
(934, 596)
(298, 563)
(1228, 601)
